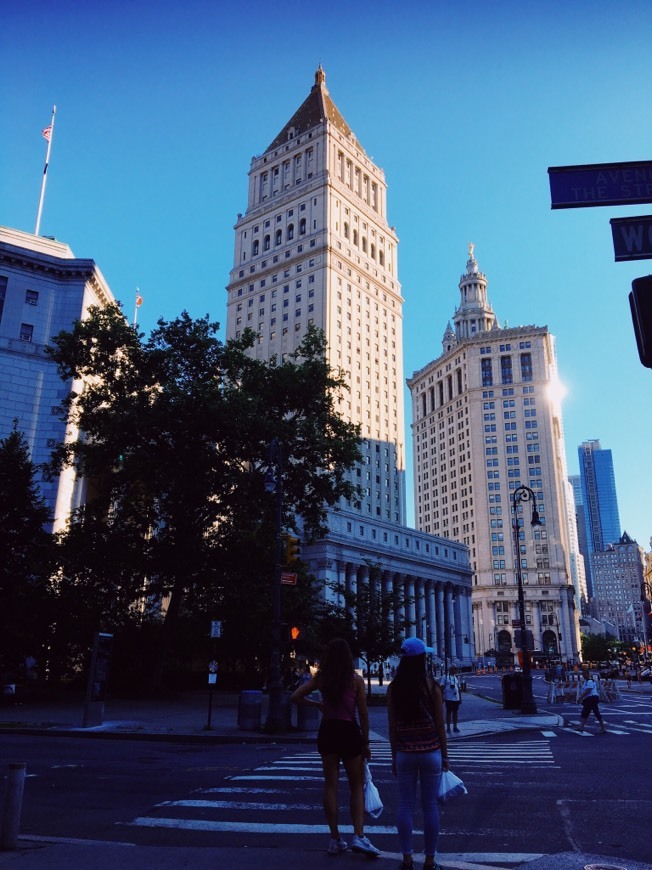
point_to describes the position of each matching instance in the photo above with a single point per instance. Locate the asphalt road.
(538, 792)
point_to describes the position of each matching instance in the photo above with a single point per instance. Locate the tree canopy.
(26, 551)
(175, 438)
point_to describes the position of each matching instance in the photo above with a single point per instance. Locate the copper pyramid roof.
(315, 109)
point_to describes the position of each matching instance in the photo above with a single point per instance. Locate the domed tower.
(474, 314)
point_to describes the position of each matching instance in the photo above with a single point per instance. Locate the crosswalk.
(284, 796)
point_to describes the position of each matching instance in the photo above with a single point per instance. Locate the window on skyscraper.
(526, 366)
(506, 369)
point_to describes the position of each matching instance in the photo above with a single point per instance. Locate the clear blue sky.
(161, 105)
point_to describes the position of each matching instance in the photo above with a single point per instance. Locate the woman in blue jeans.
(418, 739)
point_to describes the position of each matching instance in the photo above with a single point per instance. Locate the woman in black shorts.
(343, 736)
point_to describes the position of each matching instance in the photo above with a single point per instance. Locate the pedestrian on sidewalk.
(342, 736)
(418, 742)
(452, 697)
(590, 699)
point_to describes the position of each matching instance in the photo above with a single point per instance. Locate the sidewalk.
(186, 716)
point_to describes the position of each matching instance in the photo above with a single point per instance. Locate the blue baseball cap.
(414, 646)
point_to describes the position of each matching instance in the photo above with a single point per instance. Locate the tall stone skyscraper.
(315, 246)
(487, 419)
(599, 502)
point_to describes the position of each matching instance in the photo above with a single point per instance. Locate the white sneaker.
(336, 846)
(362, 844)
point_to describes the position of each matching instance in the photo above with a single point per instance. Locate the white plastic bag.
(372, 802)
(450, 786)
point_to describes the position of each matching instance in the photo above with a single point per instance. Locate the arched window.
(355, 237)
(381, 258)
(302, 227)
(364, 244)
(373, 252)
(279, 237)
(254, 250)
(266, 243)
(290, 233)
(346, 230)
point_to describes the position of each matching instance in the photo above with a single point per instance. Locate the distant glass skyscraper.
(599, 502)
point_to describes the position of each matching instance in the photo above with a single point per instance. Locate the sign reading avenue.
(600, 184)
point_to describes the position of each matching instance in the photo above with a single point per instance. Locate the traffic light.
(292, 550)
(640, 302)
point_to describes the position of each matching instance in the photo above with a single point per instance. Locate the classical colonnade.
(436, 610)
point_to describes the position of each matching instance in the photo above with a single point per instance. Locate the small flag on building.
(47, 133)
(139, 300)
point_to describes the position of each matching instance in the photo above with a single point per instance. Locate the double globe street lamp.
(524, 494)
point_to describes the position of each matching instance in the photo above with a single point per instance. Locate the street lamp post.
(523, 494)
(276, 718)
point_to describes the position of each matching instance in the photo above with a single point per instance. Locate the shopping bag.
(372, 802)
(450, 786)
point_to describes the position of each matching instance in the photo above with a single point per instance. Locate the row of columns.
(437, 611)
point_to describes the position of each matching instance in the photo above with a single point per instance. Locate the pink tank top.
(345, 709)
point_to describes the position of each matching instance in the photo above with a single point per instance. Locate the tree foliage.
(25, 545)
(175, 446)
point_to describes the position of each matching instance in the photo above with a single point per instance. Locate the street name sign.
(600, 184)
(288, 578)
(632, 238)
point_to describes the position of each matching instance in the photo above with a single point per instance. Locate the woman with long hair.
(418, 740)
(342, 736)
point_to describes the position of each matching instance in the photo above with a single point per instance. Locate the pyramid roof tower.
(315, 109)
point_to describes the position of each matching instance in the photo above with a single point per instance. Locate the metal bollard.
(12, 808)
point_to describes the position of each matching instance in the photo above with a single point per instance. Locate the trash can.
(512, 691)
(308, 717)
(249, 710)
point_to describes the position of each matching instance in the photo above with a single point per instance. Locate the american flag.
(139, 300)
(47, 132)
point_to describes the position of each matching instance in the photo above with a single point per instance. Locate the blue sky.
(161, 105)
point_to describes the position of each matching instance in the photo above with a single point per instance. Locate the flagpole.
(45, 170)
(139, 302)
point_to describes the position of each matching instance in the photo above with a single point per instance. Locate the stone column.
(420, 603)
(410, 630)
(430, 614)
(441, 621)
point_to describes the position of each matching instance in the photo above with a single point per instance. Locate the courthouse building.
(487, 419)
(315, 246)
(44, 288)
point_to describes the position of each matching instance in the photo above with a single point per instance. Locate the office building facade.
(601, 517)
(618, 575)
(315, 247)
(487, 419)
(44, 288)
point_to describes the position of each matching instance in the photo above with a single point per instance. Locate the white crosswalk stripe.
(284, 797)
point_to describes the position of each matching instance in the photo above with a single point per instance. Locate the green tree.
(26, 549)
(596, 647)
(369, 619)
(176, 434)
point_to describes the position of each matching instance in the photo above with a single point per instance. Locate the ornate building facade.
(44, 288)
(315, 246)
(486, 420)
